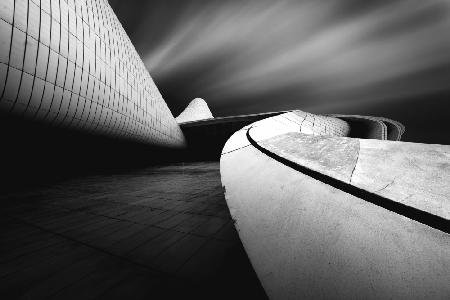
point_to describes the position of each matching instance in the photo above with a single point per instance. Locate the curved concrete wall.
(71, 64)
(206, 138)
(327, 216)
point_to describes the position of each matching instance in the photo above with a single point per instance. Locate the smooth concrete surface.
(196, 110)
(70, 64)
(308, 239)
(330, 155)
(413, 174)
(293, 121)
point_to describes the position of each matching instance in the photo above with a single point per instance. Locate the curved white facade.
(71, 64)
(196, 110)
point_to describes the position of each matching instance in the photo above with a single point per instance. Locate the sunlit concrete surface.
(323, 216)
(321, 212)
(196, 110)
(160, 232)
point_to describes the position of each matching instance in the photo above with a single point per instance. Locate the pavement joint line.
(208, 239)
(166, 275)
(236, 149)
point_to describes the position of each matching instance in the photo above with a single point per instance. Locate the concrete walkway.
(327, 217)
(160, 232)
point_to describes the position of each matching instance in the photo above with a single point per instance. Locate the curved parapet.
(196, 110)
(70, 64)
(395, 129)
(369, 127)
(322, 215)
(366, 127)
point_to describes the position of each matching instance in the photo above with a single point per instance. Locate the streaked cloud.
(265, 55)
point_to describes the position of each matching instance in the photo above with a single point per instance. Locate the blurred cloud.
(322, 56)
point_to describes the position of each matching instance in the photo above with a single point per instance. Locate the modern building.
(70, 64)
(325, 206)
(196, 110)
(322, 215)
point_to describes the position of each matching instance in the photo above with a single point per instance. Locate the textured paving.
(163, 231)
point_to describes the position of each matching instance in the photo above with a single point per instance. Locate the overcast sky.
(389, 58)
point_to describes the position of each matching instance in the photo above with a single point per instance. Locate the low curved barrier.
(395, 129)
(365, 127)
(322, 215)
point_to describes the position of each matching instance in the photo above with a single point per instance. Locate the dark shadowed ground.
(158, 232)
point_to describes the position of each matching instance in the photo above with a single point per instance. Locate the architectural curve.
(196, 110)
(366, 127)
(70, 64)
(324, 205)
(395, 129)
(327, 216)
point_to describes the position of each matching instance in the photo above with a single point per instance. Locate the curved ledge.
(337, 181)
(323, 216)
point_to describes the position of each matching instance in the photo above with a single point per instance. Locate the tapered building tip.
(196, 110)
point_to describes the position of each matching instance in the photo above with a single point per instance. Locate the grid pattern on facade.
(71, 64)
(315, 124)
(374, 127)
